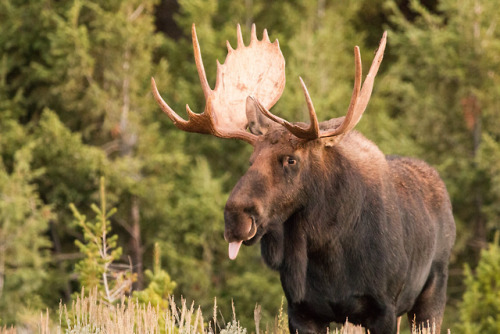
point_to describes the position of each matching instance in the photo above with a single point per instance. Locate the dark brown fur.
(353, 233)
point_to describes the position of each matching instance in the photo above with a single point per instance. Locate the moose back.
(353, 233)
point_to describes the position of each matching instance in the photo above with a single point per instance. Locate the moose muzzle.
(239, 226)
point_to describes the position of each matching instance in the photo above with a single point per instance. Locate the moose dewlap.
(353, 233)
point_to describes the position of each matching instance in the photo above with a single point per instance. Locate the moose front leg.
(384, 324)
(300, 322)
(379, 317)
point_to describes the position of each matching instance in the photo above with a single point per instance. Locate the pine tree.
(90, 63)
(480, 308)
(24, 220)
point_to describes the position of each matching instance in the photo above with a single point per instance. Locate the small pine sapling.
(99, 268)
(160, 286)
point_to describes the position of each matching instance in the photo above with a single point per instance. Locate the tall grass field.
(88, 314)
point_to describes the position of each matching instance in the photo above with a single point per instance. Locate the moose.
(354, 234)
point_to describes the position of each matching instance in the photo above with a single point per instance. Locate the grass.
(89, 314)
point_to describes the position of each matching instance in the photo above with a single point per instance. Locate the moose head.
(248, 84)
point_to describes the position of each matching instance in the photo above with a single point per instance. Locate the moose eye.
(289, 161)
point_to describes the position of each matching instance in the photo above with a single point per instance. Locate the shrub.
(480, 307)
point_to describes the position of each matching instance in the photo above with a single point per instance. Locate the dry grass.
(89, 314)
(8, 330)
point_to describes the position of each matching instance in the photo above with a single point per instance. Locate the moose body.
(354, 234)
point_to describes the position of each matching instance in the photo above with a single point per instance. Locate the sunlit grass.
(89, 314)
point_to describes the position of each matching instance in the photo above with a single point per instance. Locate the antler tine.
(219, 75)
(201, 123)
(195, 123)
(360, 98)
(311, 132)
(253, 34)
(265, 36)
(269, 115)
(199, 64)
(176, 119)
(357, 83)
(354, 98)
(239, 37)
(229, 47)
(366, 91)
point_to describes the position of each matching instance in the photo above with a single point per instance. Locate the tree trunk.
(136, 244)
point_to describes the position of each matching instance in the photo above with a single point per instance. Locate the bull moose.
(353, 233)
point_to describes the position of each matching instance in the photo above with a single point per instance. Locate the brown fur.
(353, 233)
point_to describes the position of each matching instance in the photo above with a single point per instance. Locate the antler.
(257, 70)
(312, 132)
(359, 101)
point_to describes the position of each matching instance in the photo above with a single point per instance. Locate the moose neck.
(340, 186)
(335, 196)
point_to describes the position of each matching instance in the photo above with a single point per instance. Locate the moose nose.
(238, 225)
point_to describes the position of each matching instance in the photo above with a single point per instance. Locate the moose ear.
(331, 125)
(258, 124)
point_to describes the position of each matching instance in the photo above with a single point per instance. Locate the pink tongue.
(234, 247)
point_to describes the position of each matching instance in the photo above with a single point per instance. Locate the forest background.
(76, 105)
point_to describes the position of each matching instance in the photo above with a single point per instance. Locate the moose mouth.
(254, 236)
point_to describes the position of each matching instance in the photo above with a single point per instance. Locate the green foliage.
(480, 308)
(72, 168)
(98, 268)
(488, 162)
(324, 32)
(160, 286)
(24, 220)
